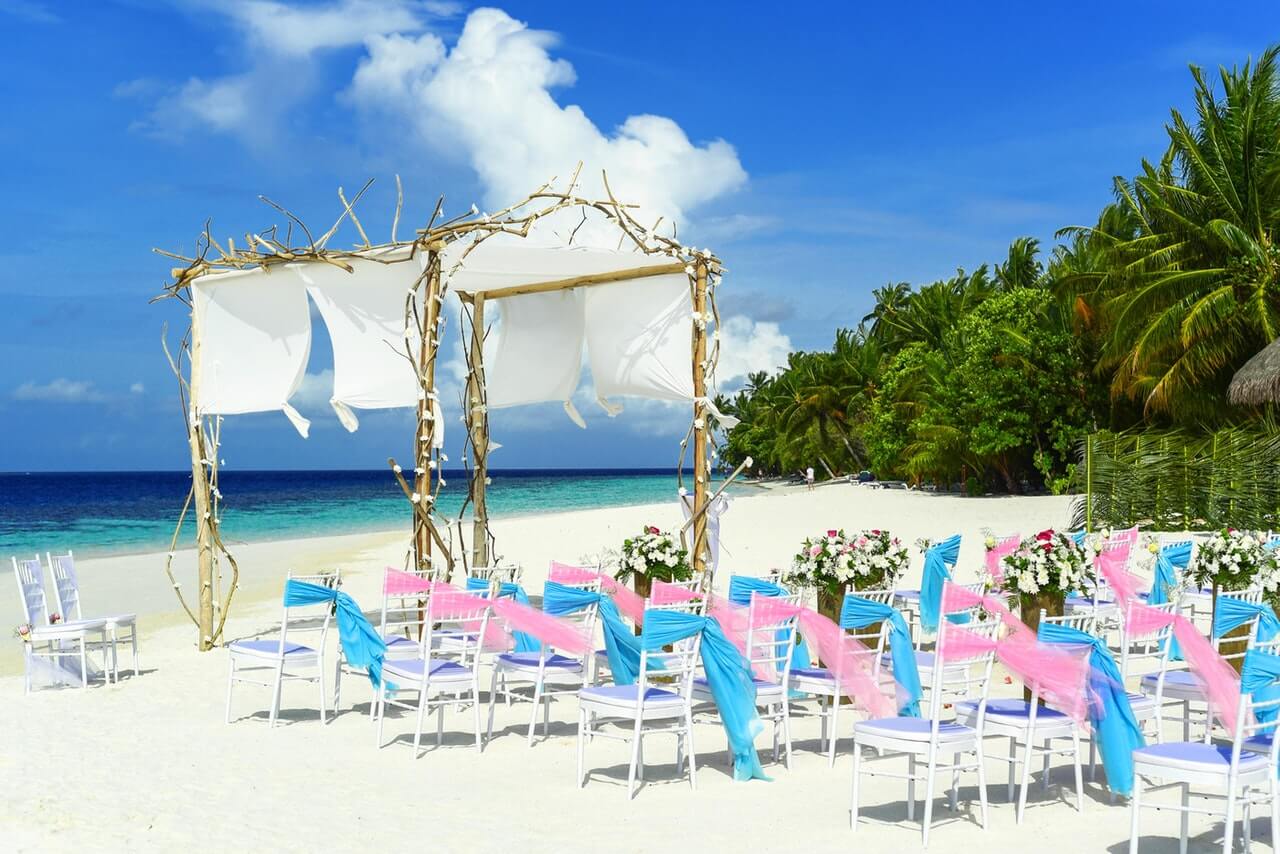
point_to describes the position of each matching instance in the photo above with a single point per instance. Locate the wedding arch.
(644, 312)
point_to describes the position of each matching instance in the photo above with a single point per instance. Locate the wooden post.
(478, 423)
(206, 557)
(700, 427)
(426, 412)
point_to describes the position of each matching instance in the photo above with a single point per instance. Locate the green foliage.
(997, 375)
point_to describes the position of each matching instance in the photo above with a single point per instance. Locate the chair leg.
(493, 698)
(930, 770)
(1135, 805)
(1245, 819)
(422, 709)
(1044, 777)
(582, 741)
(835, 731)
(1275, 814)
(133, 639)
(786, 728)
(84, 665)
(822, 719)
(441, 704)
(1229, 829)
(475, 710)
(379, 711)
(324, 709)
(982, 785)
(635, 758)
(689, 751)
(275, 694)
(1027, 756)
(1013, 767)
(533, 718)
(1075, 743)
(911, 787)
(231, 680)
(853, 793)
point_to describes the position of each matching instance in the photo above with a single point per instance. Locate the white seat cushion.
(1178, 685)
(411, 670)
(624, 696)
(269, 648)
(911, 729)
(1195, 756)
(529, 661)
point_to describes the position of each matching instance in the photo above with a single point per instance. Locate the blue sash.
(858, 613)
(525, 642)
(620, 645)
(1229, 613)
(740, 589)
(937, 559)
(361, 644)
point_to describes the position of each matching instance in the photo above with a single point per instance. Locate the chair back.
(1248, 724)
(1252, 595)
(697, 605)
(301, 619)
(870, 640)
(962, 676)
(770, 641)
(680, 665)
(66, 587)
(405, 613)
(30, 577)
(1147, 646)
(1084, 621)
(503, 574)
(586, 619)
(464, 619)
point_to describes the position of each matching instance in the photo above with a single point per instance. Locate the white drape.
(254, 335)
(538, 353)
(364, 311)
(639, 338)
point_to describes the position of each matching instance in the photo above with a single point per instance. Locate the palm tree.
(1195, 290)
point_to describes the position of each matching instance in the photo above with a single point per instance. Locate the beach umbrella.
(1258, 381)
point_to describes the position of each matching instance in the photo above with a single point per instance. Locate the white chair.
(401, 623)
(284, 659)
(547, 673)
(944, 745)
(50, 644)
(769, 645)
(1033, 727)
(440, 681)
(828, 686)
(1180, 688)
(643, 709)
(1244, 769)
(1099, 601)
(66, 589)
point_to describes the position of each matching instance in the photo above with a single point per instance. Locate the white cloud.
(299, 31)
(137, 388)
(313, 393)
(29, 10)
(60, 390)
(747, 346)
(491, 98)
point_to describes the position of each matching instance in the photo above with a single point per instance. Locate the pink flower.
(814, 551)
(862, 541)
(653, 530)
(55, 618)
(875, 532)
(831, 534)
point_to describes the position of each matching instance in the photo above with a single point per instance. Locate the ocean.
(104, 513)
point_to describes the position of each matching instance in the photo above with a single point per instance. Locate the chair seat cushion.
(413, 669)
(907, 595)
(118, 620)
(1177, 684)
(1009, 708)
(1261, 741)
(812, 674)
(529, 661)
(399, 642)
(911, 729)
(1196, 756)
(269, 648)
(624, 696)
(1141, 702)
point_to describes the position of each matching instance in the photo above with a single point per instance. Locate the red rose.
(1045, 536)
(832, 533)
(652, 530)
(875, 532)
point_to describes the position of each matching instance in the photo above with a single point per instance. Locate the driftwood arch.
(436, 255)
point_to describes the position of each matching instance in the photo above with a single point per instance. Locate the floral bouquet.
(874, 559)
(653, 554)
(1233, 560)
(1050, 564)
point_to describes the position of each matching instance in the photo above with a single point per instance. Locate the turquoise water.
(101, 513)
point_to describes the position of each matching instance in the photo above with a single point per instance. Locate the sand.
(149, 765)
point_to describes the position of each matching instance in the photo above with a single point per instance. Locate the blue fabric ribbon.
(1230, 613)
(728, 677)
(740, 589)
(1258, 676)
(620, 645)
(1169, 560)
(858, 613)
(525, 642)
(361, 644)
(1078, 536)
(1115, 727)
(937, 559)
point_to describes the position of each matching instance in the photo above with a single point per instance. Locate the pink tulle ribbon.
(449, 602)
(666, 593)
(630, 603)
(852, 665)
(1112, 564)
(1056, 671)
(1214, 674)
(997, 553)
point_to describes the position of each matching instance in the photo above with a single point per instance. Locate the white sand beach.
(149, 764)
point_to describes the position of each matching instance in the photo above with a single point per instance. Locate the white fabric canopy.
(639, 338)
(538, 354)
(253, 334)
(364, 313)
(504, 263)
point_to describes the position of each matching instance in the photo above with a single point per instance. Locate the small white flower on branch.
(396, 469)
(415, 498)
(488, 481)
(431, 465)
(698, 424)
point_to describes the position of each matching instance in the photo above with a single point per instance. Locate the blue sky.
(869, 143)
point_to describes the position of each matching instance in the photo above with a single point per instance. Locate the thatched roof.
(1258, 381)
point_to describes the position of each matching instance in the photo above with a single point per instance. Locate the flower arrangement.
(1232, 560)
(1050, 563)
(23, 632)
(654, 554)
(873, 559)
